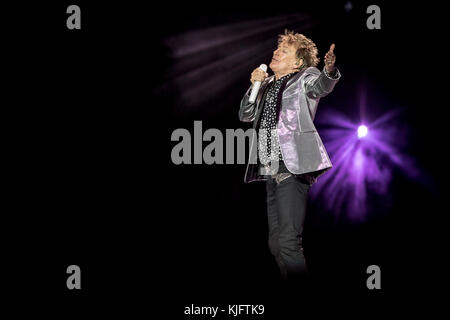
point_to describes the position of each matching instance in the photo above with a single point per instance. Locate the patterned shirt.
(268, 147)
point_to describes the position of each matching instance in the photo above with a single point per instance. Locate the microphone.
(256, 86)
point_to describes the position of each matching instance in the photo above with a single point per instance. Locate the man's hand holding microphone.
(258, 76)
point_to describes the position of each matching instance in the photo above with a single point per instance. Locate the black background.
(92, 182)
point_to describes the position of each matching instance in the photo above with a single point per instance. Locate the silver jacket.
(302, 149)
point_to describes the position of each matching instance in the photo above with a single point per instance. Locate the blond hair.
(305, 48)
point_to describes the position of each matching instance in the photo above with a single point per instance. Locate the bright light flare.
(362, 172)
(362, 131)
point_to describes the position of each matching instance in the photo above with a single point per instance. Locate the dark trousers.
(286, 208)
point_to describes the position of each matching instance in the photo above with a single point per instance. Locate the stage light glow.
(362, 172)
(362, 131)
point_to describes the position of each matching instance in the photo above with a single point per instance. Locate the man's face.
(284, 59)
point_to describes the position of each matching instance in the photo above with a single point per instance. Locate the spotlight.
(362, 131)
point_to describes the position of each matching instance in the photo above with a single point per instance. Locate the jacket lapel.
(294, 79)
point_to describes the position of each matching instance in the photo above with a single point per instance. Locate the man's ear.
(299, 63)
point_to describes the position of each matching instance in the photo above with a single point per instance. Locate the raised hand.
(330, 59)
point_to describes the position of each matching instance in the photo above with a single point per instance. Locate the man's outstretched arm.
(319, 84)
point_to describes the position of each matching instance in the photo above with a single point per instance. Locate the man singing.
(290, 153)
